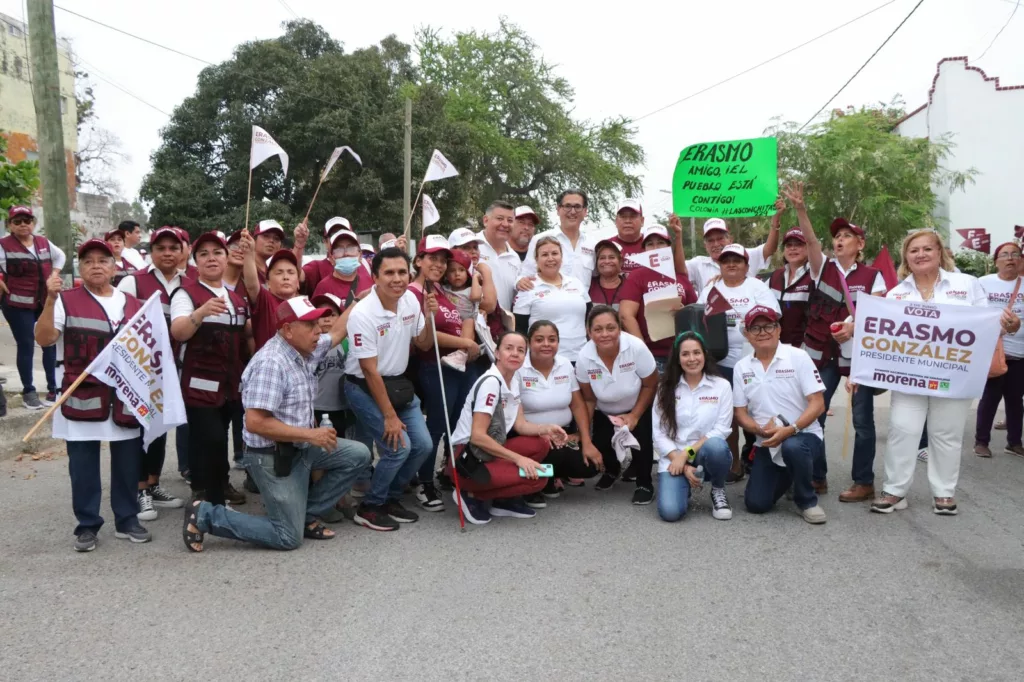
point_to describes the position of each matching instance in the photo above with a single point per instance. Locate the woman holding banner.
(928, 276)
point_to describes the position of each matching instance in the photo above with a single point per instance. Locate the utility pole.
(53, 169)
(407, 185)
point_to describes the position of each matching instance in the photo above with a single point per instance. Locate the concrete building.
(984, 119)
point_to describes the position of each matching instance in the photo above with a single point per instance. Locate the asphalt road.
(593, 588)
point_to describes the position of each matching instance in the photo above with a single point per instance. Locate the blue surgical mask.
(347, 265)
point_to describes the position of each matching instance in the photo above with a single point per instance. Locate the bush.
(974, 263)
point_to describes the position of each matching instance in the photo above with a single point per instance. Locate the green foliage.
(123, 210)
(974, 263)
(18, 181)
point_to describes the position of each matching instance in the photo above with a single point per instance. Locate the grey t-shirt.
(330, 372)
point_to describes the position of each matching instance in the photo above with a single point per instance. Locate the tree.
(18, 181)
(99, 150)
(122, 210)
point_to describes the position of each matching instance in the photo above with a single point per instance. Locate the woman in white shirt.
(618, 377)
(691, 419)
(550, 394)
(562, 299)
(494, 470)
(1000, 287)
(928, 276)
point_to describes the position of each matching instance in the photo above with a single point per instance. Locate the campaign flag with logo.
(716, 303)
(139, 365)
(659, 260)
(263, 147)
(439, 168)
(430, 212)
(931, 349)
(335, 155)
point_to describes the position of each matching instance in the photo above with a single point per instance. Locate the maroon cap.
(90, 244)
(183, 234)
(113, 233)
(840, 223)
(795, 233)
(15, 211)
(266, 226)
(235, 236)
(215, 236)
(462, 258)
(282, 254)
(162, 232)
(298, 309)
(605, 243)
(760, 311)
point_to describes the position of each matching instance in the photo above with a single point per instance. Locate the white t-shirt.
(546, 399)
(702, 268)
(65, 429)
(953, 288)
(703, 412)
(504, 269)
(182, 306)
(751, 293)
(134, 257)
(565, 306)
(374, 332)
(129, 285)
(578, 261)
(782, 388)
(486, 400)
(998, 292)
(616, 390)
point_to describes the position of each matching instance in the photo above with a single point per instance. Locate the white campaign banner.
(928, 349)
(263, 147)
(430, 214)
(139, 365)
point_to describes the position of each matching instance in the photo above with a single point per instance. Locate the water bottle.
(325, 422)
(699, 472)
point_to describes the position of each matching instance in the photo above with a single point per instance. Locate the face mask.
(346, 266)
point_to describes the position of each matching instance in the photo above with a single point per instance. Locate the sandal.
(318, 532)
(192, 519)
(734, 477)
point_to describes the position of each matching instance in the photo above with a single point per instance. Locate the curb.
(15, 425)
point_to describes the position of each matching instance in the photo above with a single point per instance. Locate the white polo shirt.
(751, 293)
(578, 262)
(374, 332)
(566, 306)
(953, 288)
(703, 268)
(489, 389)
(999, 292)
(546, 400)
(703, 412)
(617, 389)
(505, 269)
(782, 388)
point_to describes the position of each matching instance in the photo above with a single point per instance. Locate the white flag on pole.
(430, 214)
(439, 168)
(335, 155)
(263, 147)
(139, 365)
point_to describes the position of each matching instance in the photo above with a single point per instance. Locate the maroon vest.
(827, 304)
(87, 330)
(27, 272)
(147, 284)
(211, 361)
(123, 271)
(793, 301)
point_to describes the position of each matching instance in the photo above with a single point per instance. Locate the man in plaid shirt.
(278, 390)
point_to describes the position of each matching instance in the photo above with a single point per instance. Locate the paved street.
(593, 588)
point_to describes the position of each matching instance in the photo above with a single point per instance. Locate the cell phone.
(543, 470)
(782, 420)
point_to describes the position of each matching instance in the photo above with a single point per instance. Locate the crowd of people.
(507, 366)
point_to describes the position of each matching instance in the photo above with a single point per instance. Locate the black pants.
(642, 458)
(569, 463)
(236, 430)
(153, 459)
(208, 448)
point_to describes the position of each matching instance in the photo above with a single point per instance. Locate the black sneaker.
(162, 498)
(85, 541)
(536, 501)
(428, 498)
(605, 482)
(552, 491)
(374, 517)
(643, 495)
(399, 513)
(513, 507)
(136, 534)
(186, 476)
(629, 475)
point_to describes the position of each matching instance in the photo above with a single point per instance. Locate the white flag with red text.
(263, 147)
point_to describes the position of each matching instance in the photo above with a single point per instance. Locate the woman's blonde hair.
(546, 240)
(945, 260)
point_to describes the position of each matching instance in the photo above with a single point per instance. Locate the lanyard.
(615, 294)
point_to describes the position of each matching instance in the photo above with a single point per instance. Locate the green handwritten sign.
(733, 179)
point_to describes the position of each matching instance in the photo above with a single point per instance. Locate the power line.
(862, 66)
(285, 5)
(1015, 8)
(99, 74)
(765, 62)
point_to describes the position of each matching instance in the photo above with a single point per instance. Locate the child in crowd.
(464, 288)
(330, 396)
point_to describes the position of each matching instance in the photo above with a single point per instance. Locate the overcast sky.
(631, 60)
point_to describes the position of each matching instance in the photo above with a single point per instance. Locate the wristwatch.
(691, 455)
(796, 429)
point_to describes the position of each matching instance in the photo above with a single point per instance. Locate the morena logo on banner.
(920, 311)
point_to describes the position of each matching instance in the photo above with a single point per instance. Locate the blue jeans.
(23, 323)
(87, 489)
(456, 389)
(290, 501)
(395, 468)
(674, 491)
(862, 470)
(768, 481)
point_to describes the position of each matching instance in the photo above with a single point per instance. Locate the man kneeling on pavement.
(282, 444)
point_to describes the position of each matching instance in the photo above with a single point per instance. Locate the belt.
(361, 382)
(261, 451)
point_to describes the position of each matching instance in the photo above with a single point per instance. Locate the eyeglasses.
(346, 251)
(21, 221)
(569, 208)
(758, 329)
(1008, 256)
(234, 246)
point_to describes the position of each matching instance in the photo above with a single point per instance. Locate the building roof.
(967, 67)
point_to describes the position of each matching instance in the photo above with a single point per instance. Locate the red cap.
(183, 234)
(328, 300)
(234, 236)
(1004, 245)
(795, 233)
(433, 243)
(298, 309)
(14, 211)
(90, 244)
(113, 233)
(462, 258)
(214, 236)
(607, 242)
(164, 232)
(840, 223)
(266, 226)
(735, 250)
(282, 254)
(760, 311)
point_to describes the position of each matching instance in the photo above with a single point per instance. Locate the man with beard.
(523, 230)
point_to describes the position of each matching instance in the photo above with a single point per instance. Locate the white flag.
(430, 214)
(335, 155)
(263, 147)
(139, 365)
(439, 168)
(659, 260)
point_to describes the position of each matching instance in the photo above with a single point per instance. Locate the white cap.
(655, 230)
(296, 309)
(337, 220)
(526, 210)
(432, 243)
(715, 224)
(633, 204)
(342, 232)
(367, 247)
(736, 250)
(265, 226)
(463, 236)
(388, 244)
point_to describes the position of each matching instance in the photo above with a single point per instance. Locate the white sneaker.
(146, 510)
(721, 511)
(922, 455)
(456, 360)
(814, 514)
